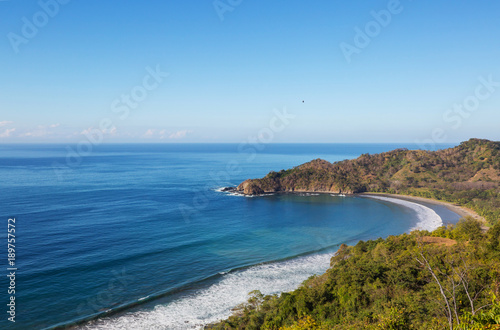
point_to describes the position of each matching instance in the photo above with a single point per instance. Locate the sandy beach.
(460, 210)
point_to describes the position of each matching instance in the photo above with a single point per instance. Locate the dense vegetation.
(468, 175)
(447, 279)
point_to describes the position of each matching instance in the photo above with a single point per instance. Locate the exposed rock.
(250, 187)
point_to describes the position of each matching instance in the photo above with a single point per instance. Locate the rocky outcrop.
(250, 187)
(258, 187)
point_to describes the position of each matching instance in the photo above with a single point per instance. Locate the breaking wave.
(215, 302)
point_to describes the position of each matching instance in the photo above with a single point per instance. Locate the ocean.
(139, 236)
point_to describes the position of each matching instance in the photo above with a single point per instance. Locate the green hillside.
(447, 279)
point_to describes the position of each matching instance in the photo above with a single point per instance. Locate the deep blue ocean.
(137, 236)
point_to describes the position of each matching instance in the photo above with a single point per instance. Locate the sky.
(237, 70)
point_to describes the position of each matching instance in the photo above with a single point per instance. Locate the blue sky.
(232, 65)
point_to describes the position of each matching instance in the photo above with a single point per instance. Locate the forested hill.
(468, 174)
(445, 279)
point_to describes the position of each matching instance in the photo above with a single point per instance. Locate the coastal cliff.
(314, 176)
(474, 164)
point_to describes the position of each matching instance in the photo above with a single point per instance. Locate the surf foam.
(215, 302)
(428, 219)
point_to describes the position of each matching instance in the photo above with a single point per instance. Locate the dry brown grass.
(438, 241)
(486, 174)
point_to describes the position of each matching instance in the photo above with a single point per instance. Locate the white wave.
(428, 219)
(215, 302)
(221, 189)
(230, 192)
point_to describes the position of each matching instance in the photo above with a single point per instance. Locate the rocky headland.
(473, 165)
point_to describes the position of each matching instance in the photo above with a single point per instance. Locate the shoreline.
(460, 210)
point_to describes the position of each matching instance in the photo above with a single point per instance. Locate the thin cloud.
(91, 131)
(149, 133)
(5, 123)
(164, 134)
(86, 131)
(36, 133)
(179, 134)
(7, 133)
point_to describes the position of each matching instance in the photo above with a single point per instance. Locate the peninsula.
(467, 175)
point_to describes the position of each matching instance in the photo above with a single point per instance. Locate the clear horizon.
(234, 143)
(234, 71)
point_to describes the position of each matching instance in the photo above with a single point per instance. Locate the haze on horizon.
(227, 70)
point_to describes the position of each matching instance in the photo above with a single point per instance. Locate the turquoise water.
(137, 236)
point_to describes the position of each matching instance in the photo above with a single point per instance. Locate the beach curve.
(428, 219)
(462, 211)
